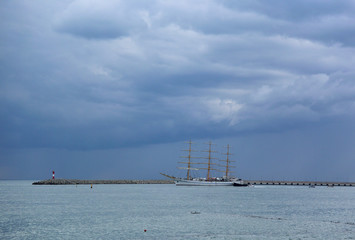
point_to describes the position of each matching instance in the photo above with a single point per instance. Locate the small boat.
(195, 212)
(312, 186)
(241, 184)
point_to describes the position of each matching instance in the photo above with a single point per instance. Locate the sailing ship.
(226, 180)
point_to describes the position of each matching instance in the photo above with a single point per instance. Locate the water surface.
(124, 211)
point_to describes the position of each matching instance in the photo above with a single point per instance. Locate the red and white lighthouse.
(53, 174)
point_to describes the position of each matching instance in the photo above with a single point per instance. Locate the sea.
(165, 211)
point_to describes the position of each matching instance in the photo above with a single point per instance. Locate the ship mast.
(189, 163)
(228, 161)
(209, 163)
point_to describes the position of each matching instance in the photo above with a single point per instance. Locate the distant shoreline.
(250, 182)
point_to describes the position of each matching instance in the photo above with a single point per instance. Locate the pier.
(300, 183)
(250, 182)
(89, 182)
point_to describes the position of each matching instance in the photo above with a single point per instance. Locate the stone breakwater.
(78, 181)
(300, 183)
(250, 182)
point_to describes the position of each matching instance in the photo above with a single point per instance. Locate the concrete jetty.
(301, 183)
(251, 182)
(79, 181)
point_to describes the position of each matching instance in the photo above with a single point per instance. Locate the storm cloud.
(89, 76)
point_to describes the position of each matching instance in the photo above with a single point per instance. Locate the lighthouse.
(53, 174)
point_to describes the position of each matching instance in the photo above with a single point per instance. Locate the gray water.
(124, 211)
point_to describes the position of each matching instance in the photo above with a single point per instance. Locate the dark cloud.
(99, 20)
(324, 21)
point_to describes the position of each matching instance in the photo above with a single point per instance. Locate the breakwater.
(301, 183)
(250, 182)
(78, 181)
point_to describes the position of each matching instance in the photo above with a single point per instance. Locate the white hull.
(183, 182)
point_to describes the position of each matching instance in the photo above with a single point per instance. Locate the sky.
(114, 89)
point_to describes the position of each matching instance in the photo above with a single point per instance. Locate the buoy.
(145, 230)
(91, 185)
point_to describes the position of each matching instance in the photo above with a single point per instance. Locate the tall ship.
(190, 165)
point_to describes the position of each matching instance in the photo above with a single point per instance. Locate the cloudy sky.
(112, 89)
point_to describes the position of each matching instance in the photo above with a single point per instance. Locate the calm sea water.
(124, 211)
